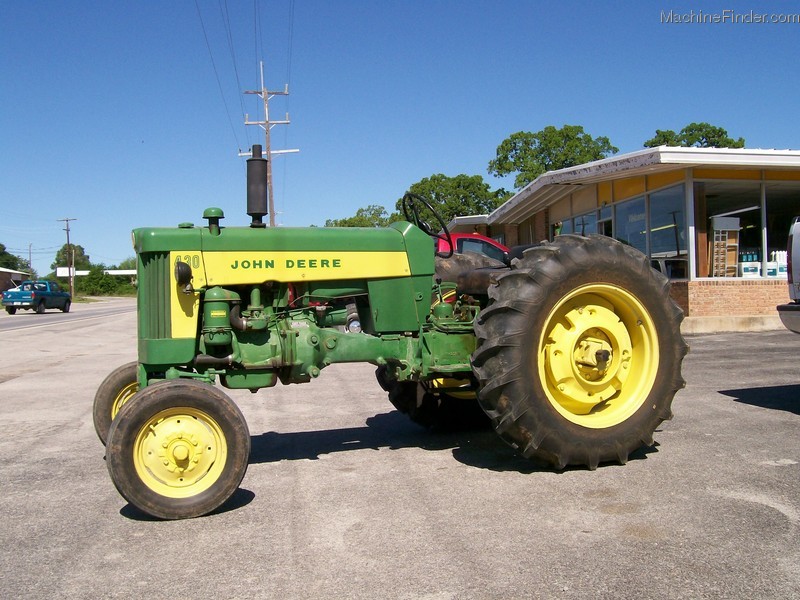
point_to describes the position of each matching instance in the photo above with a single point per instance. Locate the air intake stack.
(257, 187)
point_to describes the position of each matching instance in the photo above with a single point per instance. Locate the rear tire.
(579, 352)
(11, 310)
(40, 308)
(179, 451)
(119, 387)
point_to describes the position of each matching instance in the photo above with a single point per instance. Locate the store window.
(668, 250)
(783, 204)
(631, 223)
(728, 220)
(605, 225)
(561, 228)
(586, 224)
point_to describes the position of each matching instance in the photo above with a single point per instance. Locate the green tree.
(8, 260)
(370, 216)
(456, 196)
(16, 263)
(531, 154)
(128, 263)
(700, 135)
(96, 283)
(82, 262)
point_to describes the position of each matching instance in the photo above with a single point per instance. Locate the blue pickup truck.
(36, 295)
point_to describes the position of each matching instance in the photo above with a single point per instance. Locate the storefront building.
(714, 220)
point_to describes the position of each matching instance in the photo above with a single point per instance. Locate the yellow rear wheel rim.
(598, 356)
(180, 452)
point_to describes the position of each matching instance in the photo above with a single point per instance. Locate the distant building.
(714, 220)
(10, 278)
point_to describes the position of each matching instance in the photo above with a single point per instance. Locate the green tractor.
(573, 349)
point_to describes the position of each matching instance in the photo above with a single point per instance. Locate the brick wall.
(730, 297)
(540, 226)
(679, 292)
(511, 235)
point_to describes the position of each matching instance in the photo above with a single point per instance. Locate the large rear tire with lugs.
(179, 450)
(579, 352)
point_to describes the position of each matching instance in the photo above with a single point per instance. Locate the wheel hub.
(588, 353)
(178, 451)
(592, 356)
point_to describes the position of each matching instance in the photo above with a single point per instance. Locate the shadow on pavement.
(481, 448)
(241, 497)
(778, 397)
(478, 447)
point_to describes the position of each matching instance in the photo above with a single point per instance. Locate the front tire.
(119, 387)
(579, 352)
(66, 306)
(179, 451)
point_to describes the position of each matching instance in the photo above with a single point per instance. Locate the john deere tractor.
(572, 348)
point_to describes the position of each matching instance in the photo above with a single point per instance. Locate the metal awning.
(550, 187)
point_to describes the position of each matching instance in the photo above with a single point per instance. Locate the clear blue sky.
(112, 114)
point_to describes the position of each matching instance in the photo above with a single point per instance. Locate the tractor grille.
(153, 299)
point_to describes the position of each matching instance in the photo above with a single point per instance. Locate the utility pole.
(266, 125)
(70, 259)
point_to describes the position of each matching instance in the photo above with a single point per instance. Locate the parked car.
(474, 242)
(790, 313)
(36, 295)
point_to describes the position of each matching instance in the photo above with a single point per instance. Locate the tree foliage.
(15, 263)
(8, 260)
(700, 135)
(531, 154)
(457, 196)
(369, 216)
(97, 283)
(82, 262)
(450, 196)
(128, 263)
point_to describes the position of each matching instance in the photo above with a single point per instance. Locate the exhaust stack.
(257, 187)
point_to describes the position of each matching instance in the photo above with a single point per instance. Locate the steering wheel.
(411, 207)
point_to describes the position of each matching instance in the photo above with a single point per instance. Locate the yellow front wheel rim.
(598, 355)
(457, 388)
(180, 452)
(122, 397)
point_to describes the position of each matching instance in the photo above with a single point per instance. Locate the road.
(345, 498)
(79, 311)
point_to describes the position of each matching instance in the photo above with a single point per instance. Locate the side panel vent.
(154, 296)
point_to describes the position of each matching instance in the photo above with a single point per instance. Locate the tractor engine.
(256, 305)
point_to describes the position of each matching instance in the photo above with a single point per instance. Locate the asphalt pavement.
(346, 498)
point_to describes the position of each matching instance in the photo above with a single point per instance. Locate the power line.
(226, 21)
(290, 43)
(216, 74)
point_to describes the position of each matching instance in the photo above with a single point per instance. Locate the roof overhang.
(550, 187)
(467, 222)
(12, 271)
